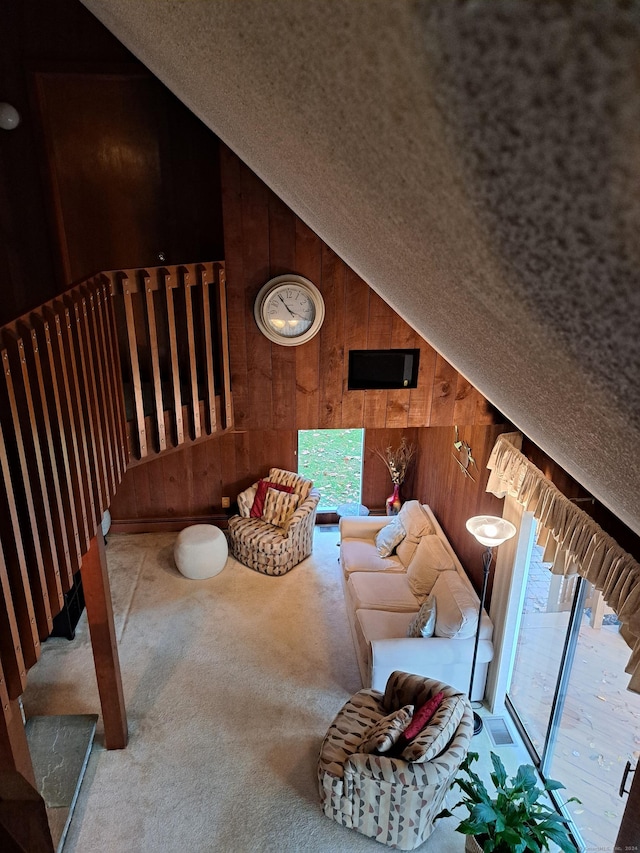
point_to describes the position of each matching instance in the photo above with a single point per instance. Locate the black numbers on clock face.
(289, 312)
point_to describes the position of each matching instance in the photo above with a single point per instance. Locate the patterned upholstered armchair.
(280, 533)
(393, 797)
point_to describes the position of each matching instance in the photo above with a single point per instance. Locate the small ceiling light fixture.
(9, 117)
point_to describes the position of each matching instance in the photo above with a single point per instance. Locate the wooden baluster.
(73, 357)
(33, 512)
(86, 374)
(170, 283)
(14, 679)
(208, 348)
(16, 566)
(224, 347)
(98, 385)
(95, 583)
(187, 278)
(65, 545)
(155, 360)
(72, 502)
(14, 749)
(127, 290)
(109, 390)
(116, 369)
(72, 421)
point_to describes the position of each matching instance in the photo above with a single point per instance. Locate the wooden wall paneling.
(230, 168)
(72, 499)
(245, 476)
(34, 515)
(332, 336)
(161, 438)
(14, 674)
(14, 542)
(76, 306)
(255, 228)
(308, 366)
(193, 405)
(224, 450)
(356, 312)
(444, 393)
(204, 283)
(73, 422)
(282, 259)
(486, 413)
(64, 534)
(176, 470)
(378, 337)
(100, 388)
(420, 398)
(399, 399)
(79, 112)
(206, 478)
(465, 403)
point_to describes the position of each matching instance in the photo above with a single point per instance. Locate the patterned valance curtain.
(572, 540)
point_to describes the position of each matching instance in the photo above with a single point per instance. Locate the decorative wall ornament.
(464, 456)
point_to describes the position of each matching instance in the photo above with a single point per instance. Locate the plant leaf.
(500, 772)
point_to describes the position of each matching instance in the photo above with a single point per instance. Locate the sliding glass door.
(568, 695)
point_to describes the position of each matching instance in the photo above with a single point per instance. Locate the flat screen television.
(371, 369)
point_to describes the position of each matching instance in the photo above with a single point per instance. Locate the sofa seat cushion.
(381, 591)
(383, 624)
(360, 555)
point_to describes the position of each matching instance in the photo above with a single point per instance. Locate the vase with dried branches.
(397, 460)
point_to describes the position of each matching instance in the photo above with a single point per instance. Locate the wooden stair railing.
(175, 318)
(64, 448)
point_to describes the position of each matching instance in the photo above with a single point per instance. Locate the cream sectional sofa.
(381, 600)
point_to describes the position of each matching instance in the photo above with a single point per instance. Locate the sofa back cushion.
(456, 607)
(430, 558)
(300, 485)
(417, 524)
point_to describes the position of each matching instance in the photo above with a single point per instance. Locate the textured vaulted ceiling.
(478, 163)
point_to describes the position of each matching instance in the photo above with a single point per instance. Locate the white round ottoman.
(200, 551)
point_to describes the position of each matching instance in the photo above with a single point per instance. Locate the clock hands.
(293, 313)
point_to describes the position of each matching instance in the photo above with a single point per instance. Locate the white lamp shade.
(490, 530)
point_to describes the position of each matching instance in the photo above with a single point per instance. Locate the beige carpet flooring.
(230, 684)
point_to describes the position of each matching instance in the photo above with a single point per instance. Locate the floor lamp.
(490, 531)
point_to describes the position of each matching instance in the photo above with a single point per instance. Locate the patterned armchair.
(393, 798)
(278, 539)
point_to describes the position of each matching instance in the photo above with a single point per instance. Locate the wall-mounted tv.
(383, 368)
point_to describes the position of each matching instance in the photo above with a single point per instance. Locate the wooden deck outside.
(600, 728)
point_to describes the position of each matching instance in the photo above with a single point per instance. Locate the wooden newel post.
(97, 596)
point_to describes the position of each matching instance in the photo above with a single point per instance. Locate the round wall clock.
(289, 310)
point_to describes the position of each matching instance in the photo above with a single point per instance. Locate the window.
(332, 458)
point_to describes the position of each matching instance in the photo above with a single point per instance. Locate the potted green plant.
(514, 820)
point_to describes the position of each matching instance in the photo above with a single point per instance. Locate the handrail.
(65, 404)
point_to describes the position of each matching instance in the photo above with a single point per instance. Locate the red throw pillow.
(261, 493)
(422, 716)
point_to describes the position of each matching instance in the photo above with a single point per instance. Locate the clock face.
(289, 310)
